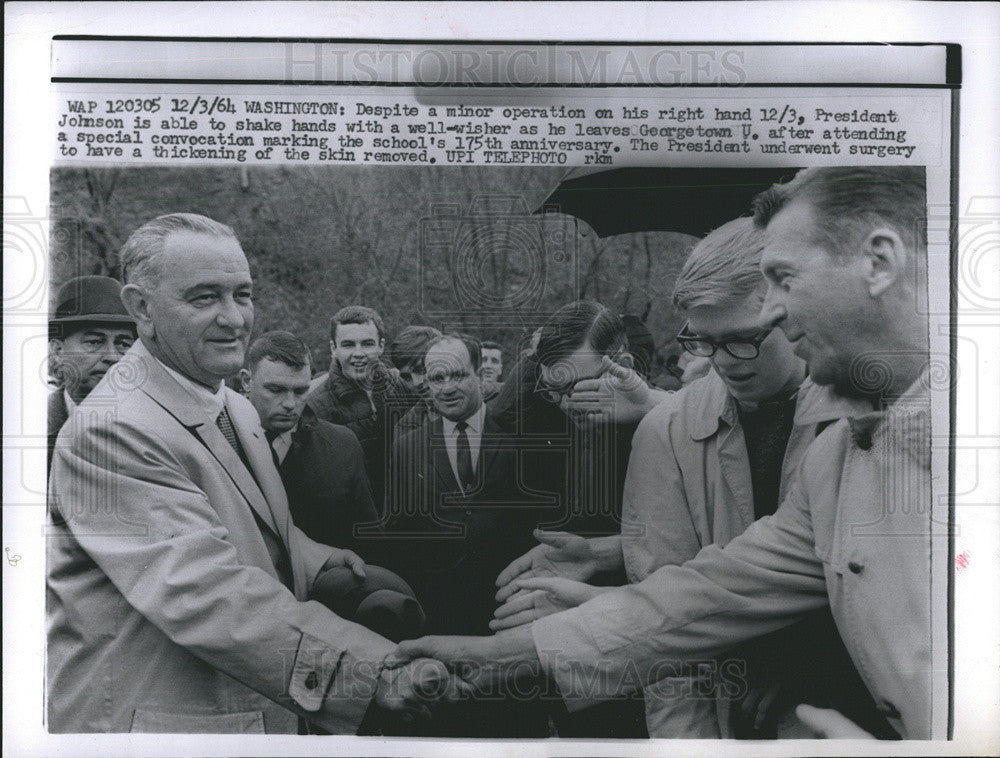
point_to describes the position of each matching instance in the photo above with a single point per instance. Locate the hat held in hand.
(381, 601)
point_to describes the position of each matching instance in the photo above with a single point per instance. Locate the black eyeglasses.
(703, 347)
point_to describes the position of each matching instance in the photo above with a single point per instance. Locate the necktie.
(225, 425)
(466, 477)
(271, 437)
(275, 547)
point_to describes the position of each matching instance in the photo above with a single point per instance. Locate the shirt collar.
(216, 399)
(474, 422)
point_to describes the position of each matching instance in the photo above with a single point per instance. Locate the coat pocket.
(249, 722)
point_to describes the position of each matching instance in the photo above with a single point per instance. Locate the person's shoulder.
(676, 403)
(337, 434)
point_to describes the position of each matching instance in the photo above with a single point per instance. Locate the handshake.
(421, 674)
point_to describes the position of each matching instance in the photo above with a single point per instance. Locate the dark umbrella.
(689, 200)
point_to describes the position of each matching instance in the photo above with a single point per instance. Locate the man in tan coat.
(177, 584)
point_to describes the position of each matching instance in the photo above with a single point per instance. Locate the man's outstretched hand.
(560, 554)
(541, 596)
(485, 663)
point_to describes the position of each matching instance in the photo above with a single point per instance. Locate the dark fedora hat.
(91, 299)
(382, 601)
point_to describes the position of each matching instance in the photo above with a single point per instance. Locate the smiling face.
(278, 392)
(197, 316)
(492, 366)
(822, 305)
(84, 356)
(775, 371)
(454, 386)
(355, 347)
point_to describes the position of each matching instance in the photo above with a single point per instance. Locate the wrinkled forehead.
(268, 371)
(193, 256)
(446, 356)
(357, 332)
(790, 235)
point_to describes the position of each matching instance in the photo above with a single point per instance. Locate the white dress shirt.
(474, 430)
(283, 443)
(215, 397)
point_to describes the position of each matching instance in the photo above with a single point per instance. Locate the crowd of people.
(433, 538)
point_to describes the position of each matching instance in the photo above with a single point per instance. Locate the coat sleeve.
(763, 580)
(152, 531)
(657, 527)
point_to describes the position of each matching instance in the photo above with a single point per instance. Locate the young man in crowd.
(89, 333)
(844, 257)
(705, 464)
(359, 391)
(492, 368)
(321, 464)
(406, 353)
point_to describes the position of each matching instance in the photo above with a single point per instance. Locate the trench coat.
(165, 610)
(857, 530)
(689, 485)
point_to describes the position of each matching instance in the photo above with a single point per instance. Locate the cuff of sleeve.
(336, 687)
(571, 657)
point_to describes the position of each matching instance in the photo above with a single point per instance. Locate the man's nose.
(288, 401)
(772, 310)
(110, 354)
(230, 314)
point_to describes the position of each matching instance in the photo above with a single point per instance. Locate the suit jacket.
(581, 468)
(57, 415)
(165, 610)
(341, 400)
(327, 487)
(452, 545)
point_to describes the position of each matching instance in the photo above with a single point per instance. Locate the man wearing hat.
(91, 330)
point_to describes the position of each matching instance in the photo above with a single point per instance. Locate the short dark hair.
(356, 314)
(578, 323)
(471, 344)
(409, 346)
(279, 346)
(848, 201)
(490, 345)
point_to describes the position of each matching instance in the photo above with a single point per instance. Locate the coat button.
(312, 681)
(855, 567)
(888, 710)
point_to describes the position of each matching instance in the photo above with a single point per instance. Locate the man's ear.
(886, 260)
(245, 379)
(136, 302)
(333, 348)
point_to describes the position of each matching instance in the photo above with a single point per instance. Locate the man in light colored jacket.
(177, 584)
(857, 529)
